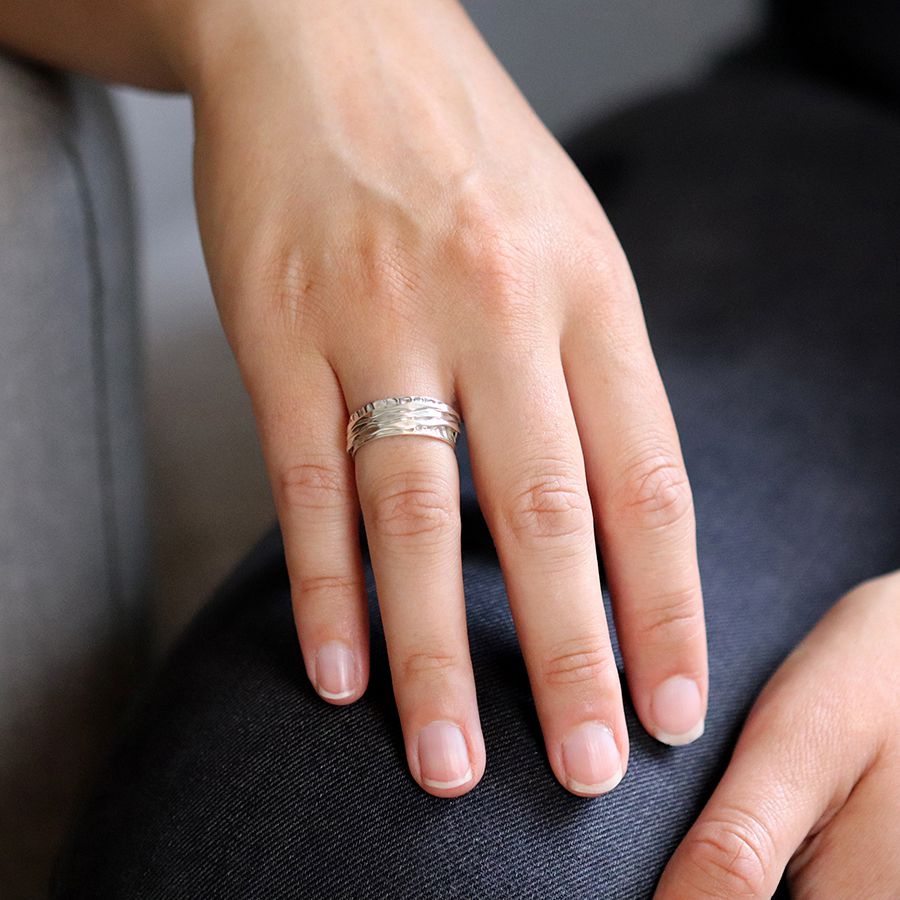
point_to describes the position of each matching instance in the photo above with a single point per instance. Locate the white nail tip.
(603, 787)
(679, 740)
(329, 696)
(446, 785)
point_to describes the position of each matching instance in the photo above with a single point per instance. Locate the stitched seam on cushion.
(99, 369)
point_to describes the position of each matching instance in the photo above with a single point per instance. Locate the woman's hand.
(383, 214)
(814, 783)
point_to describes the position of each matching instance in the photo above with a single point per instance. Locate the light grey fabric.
(72, 525)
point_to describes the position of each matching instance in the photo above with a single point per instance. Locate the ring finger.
(409, 492)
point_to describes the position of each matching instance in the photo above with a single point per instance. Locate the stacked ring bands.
(402, 415)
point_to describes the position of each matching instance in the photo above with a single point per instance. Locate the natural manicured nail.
(677, 711)
(591, 759)
(335, 671)
(443, 756)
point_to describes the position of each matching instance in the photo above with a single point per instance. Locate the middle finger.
(529, 473)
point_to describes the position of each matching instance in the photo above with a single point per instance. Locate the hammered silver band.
(402, 415)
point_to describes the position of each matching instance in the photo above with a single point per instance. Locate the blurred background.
(574, 60)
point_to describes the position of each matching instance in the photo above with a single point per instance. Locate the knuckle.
(603, 289)
(499, 262)
(551, 506)
(314, 485)
(506, 286)
(594, 263)
(414, 505)
(672, 617)
(328, 587)
(577, 662)
(425, 663)
(293, 294)
(390, 273)
(655, 492)
(732, 854)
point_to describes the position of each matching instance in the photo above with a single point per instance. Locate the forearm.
(131, 41)
(168, 44)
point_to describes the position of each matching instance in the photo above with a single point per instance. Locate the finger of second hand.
(409, 490)
(810, 740)
(764, 806)
(529, 474)
(856, 853)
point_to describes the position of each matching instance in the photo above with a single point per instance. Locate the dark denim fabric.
(761, 213)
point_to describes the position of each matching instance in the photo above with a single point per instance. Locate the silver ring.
(402, 415)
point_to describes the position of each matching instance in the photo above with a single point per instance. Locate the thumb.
(792, 769)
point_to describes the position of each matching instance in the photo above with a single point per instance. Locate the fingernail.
(335, 671)
(677, 711)
(591, 759)
(443, 756)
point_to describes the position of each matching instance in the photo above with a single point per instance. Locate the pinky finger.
(302, 421)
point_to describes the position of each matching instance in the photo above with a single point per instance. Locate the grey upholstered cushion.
(72, 527)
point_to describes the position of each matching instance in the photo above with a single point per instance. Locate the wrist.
(211, 42)
(193, 39)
